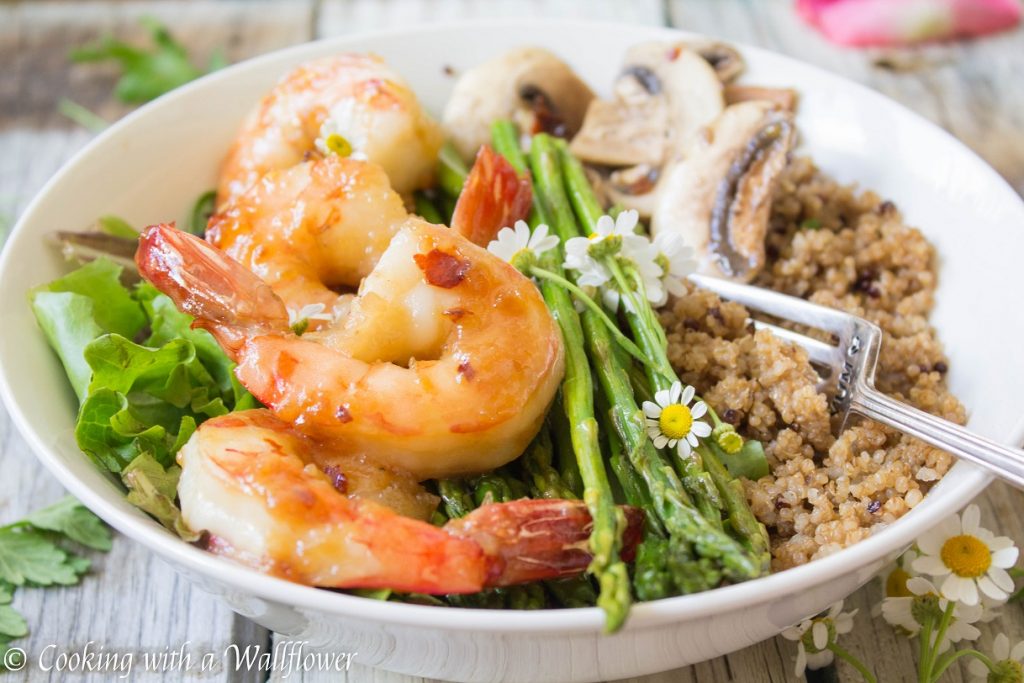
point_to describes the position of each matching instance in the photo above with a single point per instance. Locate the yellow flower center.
(338, 144)
(896, 584)
(966, 556)
(675, 421)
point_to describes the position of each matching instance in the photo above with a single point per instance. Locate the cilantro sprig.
(43, 550)
(147, 73)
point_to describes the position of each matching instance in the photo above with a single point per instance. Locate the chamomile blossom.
(521, 247)
(909, 612)
(676, 260)
(299, 319)
(1007, 663)
(610, 237)
(344, 131)
(814, 636)
(671, 421)
(970, 558)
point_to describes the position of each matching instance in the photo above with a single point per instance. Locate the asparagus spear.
(669, 499)
(426, 209)
(578, 404)
(456, 497)
(543, 479)
(451, 171)
(650, 337)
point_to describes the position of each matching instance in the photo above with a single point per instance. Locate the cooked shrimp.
(312, 229)
(259, 488)
(355, 96)
(444, 364)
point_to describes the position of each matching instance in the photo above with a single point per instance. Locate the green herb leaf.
(69, 517)
(750, 462)
(201, 212)
(86, 118)
(28, 556)
(116, 226)
(146, 73)
(810, 224)
(12, 624)
(153, 489)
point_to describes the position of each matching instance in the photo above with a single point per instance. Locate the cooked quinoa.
(849, 250)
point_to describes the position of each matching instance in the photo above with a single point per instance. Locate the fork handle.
(1003, 461)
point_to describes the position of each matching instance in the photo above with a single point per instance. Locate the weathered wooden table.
(133, 602)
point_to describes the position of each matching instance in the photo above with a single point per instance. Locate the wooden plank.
(338, 17)
(35, 39)
(131, 602)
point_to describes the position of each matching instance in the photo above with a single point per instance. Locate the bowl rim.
(643, 614)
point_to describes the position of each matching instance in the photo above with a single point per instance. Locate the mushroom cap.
(513, 86)
(718, 197)
(665, 94)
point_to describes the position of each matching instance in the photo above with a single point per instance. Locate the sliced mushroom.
(719, 196)
(724, 59)
(664, 94)
(529, 85)
(784, 97)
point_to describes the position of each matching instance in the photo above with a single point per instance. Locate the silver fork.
(852, 363)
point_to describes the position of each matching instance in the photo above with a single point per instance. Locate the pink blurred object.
(901, 22)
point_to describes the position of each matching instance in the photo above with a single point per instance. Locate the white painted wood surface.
(133, 602)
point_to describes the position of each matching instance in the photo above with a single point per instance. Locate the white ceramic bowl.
(150, 166)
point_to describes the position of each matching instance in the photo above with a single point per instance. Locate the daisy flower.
(1007, 663)
(671, 420)
(676, 260)
(907, 613)
(299, 319)
(813, 637)
(610, 236)
(520, 247)
(969, 557)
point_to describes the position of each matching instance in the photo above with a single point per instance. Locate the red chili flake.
(441, 268)
(337, 477)
(456, 314)
(466, 370)
(342, 414)
(674, 53)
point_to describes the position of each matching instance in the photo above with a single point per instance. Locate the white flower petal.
(701, 429)
(652, 410)
(1001, 646)
(918, 585)
(605, 226)
(927, 564)
(1005, 558)
(687, 396)
(676, 392)
(1017, 653)
(1001, 578)
(699, 409)
(970, 522)
(801, 661)
(660, 441)
(685, 450)
(663, 397)
(819, 635)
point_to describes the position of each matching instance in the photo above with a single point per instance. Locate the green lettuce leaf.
(153, 488)
(82, 305)
(140, 403)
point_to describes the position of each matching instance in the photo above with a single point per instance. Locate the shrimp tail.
(494, 197)
(221, 294)
(531, 540)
